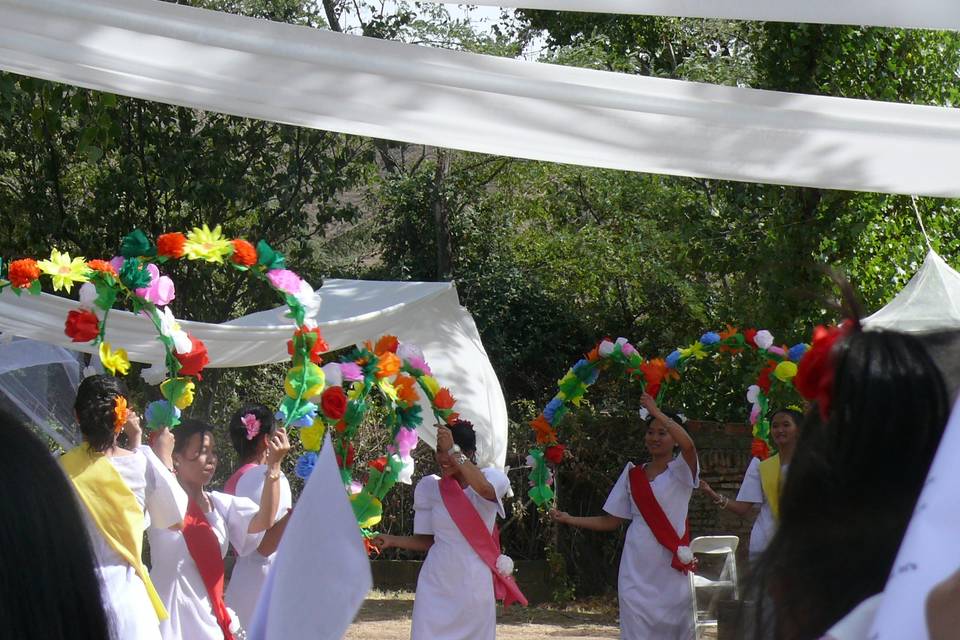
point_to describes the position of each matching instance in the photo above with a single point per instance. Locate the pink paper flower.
(406, 441)
(252, 424)
(285, 280)
(351, 371)
(421, 364)
(160, 291)
(117, 263)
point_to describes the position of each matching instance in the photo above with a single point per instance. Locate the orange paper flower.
(729, 333)
(452, 418)
(594, 354)
(103, 266)
(406, 389)
(386, 344)
(545, 433)
(119, 413)
(170, 245)
(388, 365)
(22, 273)
(443, 399)
(244, 253)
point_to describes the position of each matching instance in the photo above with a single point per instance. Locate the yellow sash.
(114, 510)
(770, 482)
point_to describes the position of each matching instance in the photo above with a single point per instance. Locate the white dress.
(454, 599)
(655, 598)
(250, 570)
(765, 525)
(175, 574)
(128, 607)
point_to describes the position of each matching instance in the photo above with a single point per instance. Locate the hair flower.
(119, 413)
(814, 379)
(251, 424)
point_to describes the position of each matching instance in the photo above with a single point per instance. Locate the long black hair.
(96, 398)
(853, 483)
(49, 589)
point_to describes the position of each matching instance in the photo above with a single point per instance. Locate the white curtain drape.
(917, 14)
(315, 78)
(427, 314)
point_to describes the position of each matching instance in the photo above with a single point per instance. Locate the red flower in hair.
(814, 379)
(82, 325)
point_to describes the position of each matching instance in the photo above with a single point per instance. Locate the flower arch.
(779, 366)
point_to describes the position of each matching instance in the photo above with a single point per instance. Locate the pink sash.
(471, 525)
(231, 484)
(656, 519)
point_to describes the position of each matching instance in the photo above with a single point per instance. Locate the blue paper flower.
(306, 420)
(551, 409)
(710, 338)
(673, 359)
(159, 412)
(305, 464)
(796, 351)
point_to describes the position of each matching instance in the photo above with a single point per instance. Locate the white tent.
(427, 314)
(929, 302)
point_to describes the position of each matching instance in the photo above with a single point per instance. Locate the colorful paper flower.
(64, 270)
(785, 371)
(555, 453)
(814, 379)
(388, 365)
(120, 413)
(170, 328)
(23, 273)
(430, 384)
(136, 244)
(82, 325)
(312, 436)
(549, 412)
(753, 393)
(87, 295)
(709, 338)
(193, 362)
(309, 340)
(134, 274)
(605, 348)
(386, 344)
(179, 391)
(351, 371)
(763, 339)
(284, 280)
(695, 350)
(333, 375)
(244, 253)
(406, 390)
(759, 449)
(115, 362)
(750, 336)
(204, 244)
(673, 359)
(171, 245)
(333, 403)
(796, 351)
(162, 413)
(102, 266)
(309, 300)
(406, 440)
(305, 464)
(160, 291)
(543, 429)
(443, 399)
(378, 463)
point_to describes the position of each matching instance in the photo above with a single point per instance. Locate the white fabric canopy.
(929, 302)
(427, 314)
(285, 73)
(919, 14)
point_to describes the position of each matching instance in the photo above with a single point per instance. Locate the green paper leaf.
(268, 257)
(34, 289)
(136, 244)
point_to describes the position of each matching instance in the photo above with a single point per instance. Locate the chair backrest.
(715, 544)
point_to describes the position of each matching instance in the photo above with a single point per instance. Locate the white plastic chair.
(726, 582)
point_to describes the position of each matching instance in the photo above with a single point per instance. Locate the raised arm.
(277, 447)
(473, 476)
(687, 449)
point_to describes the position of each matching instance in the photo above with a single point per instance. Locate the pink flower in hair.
(252, 424)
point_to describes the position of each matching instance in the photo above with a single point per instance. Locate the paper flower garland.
(654, 375)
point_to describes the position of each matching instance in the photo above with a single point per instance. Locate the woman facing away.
(49, 587)
(122, 492)
(763, 481)
(250, 429)
(453, 525)
(653, 586)
(188, 564)
(861, 461)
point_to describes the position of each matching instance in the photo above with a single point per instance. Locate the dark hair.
(188, 428)
(673, 415)
(49, 588)
(793, 413)
(94, 405)
(853, 483)
(464, 436)
(238, 432)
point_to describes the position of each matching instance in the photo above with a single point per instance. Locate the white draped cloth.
(314, 78)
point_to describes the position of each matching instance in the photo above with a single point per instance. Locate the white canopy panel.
(325, 80)
(427, 314)
(929, 302)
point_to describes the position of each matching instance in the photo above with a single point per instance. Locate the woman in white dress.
(122, 492)
(249, 428)
(188, 563)
(455, 593)
(653, 588)
(785, 430)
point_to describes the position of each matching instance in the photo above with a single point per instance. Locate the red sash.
(656, 519)
(471, 525)
(231, 484)
(204, 548)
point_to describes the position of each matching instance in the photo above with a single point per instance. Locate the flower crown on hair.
(119, 413)
(252, 425)
(815, 373)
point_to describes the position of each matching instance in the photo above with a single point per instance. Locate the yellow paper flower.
(695, 350)
(785, 371)
(311, 437)
(64, 270)
(431, 384)
(375, 517)
(186, 394)
(388, 389)
(114, 361)
(204, 244)
(356, 391)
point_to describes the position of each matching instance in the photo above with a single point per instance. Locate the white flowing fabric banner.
(427, 314)
(325, 80)
(917, 14)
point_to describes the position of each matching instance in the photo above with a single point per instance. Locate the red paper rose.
(170, 245)
(82, 325)
(244, 253)
(191, 364)
(333, 402)
(349, 462)
(750, 335)
(23, 272)
(763, 380)
(378, 463)
(555, 453)
(759, 449)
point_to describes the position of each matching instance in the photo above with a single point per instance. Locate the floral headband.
(252, 425)
(814, 379)
(119, 413)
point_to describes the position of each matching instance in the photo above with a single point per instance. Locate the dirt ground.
(386, 616)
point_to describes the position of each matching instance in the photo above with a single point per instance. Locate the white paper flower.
(764, 339)
(753, 392)
(310, 300)
(332, 374)
(606, 348)
(171, 329)
(407, 351)
(505, 565)
(88, 294)
(406, 471)
(684, 554)
(530, 461)
(622, 341)
(644, 414)
(154, 374)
